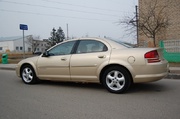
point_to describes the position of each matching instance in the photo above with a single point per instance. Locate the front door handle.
(63, 59)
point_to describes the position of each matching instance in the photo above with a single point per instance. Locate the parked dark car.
(37, 53)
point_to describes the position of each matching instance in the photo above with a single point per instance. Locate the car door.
(55, 65)
(89, 57)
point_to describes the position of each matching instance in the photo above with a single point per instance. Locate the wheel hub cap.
(27, 75)
(115, 80)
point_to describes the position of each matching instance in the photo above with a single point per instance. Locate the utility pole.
(137, 25)
(23, 46)
(67, 33)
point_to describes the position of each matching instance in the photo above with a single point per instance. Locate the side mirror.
(46, 54)
(37, 53)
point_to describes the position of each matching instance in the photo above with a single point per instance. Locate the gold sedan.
(114, 64)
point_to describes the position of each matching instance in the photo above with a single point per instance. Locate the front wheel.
(28, 75)
(116, 79)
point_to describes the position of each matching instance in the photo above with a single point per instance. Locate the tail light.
(152, 56)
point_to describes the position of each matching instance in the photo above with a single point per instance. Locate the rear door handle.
(101, 56)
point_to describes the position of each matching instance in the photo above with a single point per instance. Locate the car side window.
(89, 46)
(62, 49)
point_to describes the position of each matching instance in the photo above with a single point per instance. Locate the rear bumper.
(149, 78)
(151, 72)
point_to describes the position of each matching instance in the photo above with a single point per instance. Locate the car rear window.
(127, 45)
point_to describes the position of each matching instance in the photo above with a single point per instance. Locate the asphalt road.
(57, 100)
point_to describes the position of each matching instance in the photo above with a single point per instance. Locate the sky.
(93, 18)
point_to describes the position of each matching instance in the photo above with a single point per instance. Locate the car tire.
(28, 75)
(116, 79)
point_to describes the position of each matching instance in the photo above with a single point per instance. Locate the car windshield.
(125, 44)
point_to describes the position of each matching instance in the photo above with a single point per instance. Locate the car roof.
(113, 44)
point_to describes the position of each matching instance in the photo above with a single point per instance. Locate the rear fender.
(116, 62)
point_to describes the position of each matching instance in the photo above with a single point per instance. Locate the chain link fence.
(171, 50)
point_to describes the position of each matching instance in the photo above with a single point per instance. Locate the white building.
(39, 45)
(15, 44)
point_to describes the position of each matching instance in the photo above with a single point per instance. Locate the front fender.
(28, 61)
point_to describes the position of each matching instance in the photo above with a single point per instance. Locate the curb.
(7, 68)
(174, 73)
(173, 76)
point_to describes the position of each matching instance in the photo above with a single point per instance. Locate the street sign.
(23, 27)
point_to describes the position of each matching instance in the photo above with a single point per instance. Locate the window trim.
(75, 41)
(77, 45)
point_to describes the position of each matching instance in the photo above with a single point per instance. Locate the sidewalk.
(8, 66)
(173, 74)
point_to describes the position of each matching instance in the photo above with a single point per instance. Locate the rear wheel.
(116, 79)
(28, 75)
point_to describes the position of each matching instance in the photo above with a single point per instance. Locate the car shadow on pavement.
(147, 87)
(135, 88)
(73, 84)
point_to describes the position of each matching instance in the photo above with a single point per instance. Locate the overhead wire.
(72, 10)
(82, 6)
(23, 12)
(42, 14)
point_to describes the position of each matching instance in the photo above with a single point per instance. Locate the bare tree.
(33, 42)
(152, 18)
(129, 26)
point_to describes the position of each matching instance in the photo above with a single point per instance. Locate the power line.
(115, 2)
(60, 8)
(83, 6)
(22, 12)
